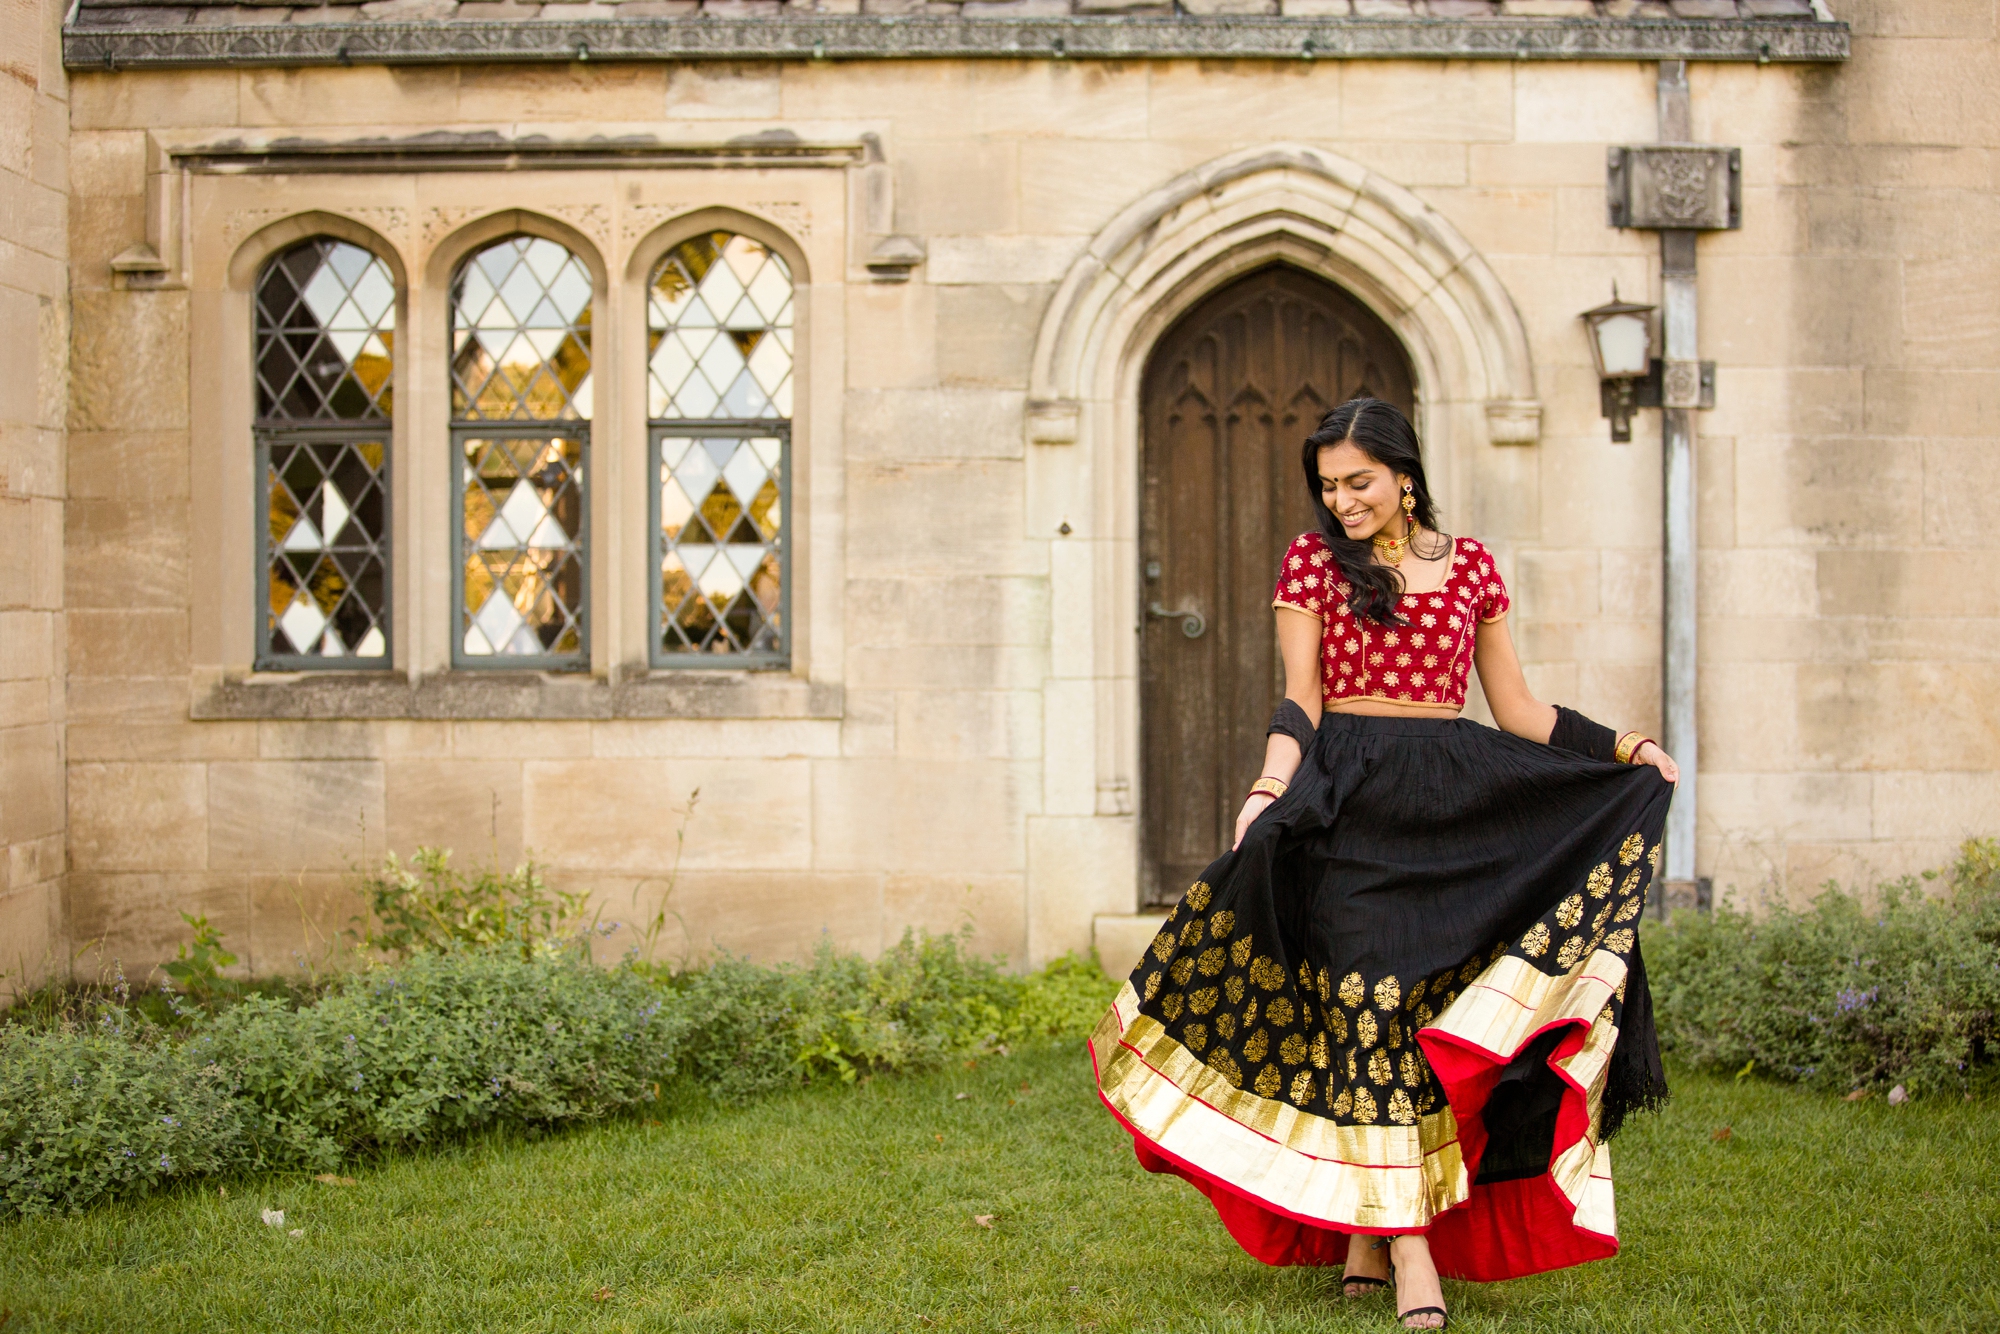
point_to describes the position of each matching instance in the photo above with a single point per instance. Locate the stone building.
(485, 423)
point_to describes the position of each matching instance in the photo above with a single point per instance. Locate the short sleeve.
(1490, 590)
(1304, 576)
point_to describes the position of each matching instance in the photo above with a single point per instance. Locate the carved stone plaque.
(1693, 187)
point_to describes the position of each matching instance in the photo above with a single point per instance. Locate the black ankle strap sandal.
(1445, 1323)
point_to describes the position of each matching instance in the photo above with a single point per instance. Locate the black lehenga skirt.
(1411, 1001)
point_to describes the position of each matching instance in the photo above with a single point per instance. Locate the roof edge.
(1205, 37)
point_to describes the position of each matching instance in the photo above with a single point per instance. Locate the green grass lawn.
(853, 1209)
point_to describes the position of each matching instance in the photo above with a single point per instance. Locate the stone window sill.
(522, 696)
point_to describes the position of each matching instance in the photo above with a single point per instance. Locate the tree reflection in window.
(324, 348)
(719, 385)
(521, 312)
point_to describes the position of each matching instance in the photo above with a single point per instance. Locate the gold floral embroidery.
(1364, 1028)
(1225, 1025)
(1411, 1069)
(1619, 941)
(1627, 910)
(1417, 991)
(1471, 970)
(1232, 987)
(1239, 953)
(1351, 990)
(1197, 895)
(1424, 1015)
(1269, 1081)
(1256, 1045)
(1388, 993)
(1195, 1037)
(1653, 857)
(1210, 962)
(1182, 970)
(1224, 1064)
(1279, 1011)
(1571, 951)
(1201, 1002)
(1364, 1107)
(1319, 1050)
(1536, 943)
(1250, 1013)
(1400, 1109)
(1630, 885)
(1632, 849)
(1599, 883)
(1351, 1074)
(1266, 974)
(1325, 985)
(1306, 978)
(1222, 924)
(1338, 1023)
(1571, 912)
(1171, 1006)
(1379, 1069)
(1343, 1104)
(1395, 1032)
(1302, 1087)
(1597, 922)
(1163, 946)
(1191, 933)
(1152, 985)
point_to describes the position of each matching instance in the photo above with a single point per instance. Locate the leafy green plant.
(1844, 994)
(197, 966)
(427, 904)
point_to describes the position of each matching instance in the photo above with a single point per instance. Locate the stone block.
(1715, 493)
(137, 817)
(1748, 713)
(714, 738)
(289, 816)
(152, 99)
(935, 518)
(1929, 805)
(1594, 103)
(934, 423)
(472, 807)
(897, 323)
(156, 699)
(1413, 165)
(298, 923)
(1930, 402)
(127, 643)
(1120, 940)
(107, 163)
(1772, 808)
(550, 740)
(31, 924)
(129, 466)
(731, 91)
(1076, 186)
(1212, 100)
(1940, 18)
(1897, 583)
(354, 95)
(130, 922)
(1501, 221)
(611, 91)
(1452, 100)
(958, 188)
(1827, 492)
(1101, 99)
(1520, 166)
(767, 917)
(126, 554)
(986, 332)
(1900, 92)
(620, 815)
(921, 816)
(1000, 259)
(994, 906)
(31, 776)
(1558, 9)
(1561, 584)
(1079, 867)
(1858, 866)
(1960, 497)
(903, 93)
(1891, 715)
(182, 740)
(1944, 323)
(1785, 400)
(29, 703)
(128, 361)
(27, 645)
(1230, 6)
(1761, 583)
(952, 724)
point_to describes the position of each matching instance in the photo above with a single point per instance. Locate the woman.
(1408, 1006)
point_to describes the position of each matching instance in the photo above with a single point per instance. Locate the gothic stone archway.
(1229, 392)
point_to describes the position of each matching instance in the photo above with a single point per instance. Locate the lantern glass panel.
(1624, 344)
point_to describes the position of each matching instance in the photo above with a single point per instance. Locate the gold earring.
(1410, 503)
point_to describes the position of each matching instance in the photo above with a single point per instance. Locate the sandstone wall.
(945, 753)
(34, 331)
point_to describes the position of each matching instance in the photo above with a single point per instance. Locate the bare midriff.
(1382, 708)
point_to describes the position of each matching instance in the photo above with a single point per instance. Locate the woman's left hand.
(1650, 753)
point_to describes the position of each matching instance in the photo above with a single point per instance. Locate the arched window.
(325, 349)
(719, 386)
(520, 406)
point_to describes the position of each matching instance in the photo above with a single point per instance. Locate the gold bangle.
(1628, 747)
(1269, 787)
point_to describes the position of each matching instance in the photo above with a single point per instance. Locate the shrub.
(108, 1109)
(1840, 995)
(427, 905)
(1063, 1000)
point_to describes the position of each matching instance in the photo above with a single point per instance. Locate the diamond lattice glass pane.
(521, 516)
(721, 545)
(326, 333)
(326, 553)
(719, 320)
(520, 321)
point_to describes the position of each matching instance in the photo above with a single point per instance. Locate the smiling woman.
(1407, 1009)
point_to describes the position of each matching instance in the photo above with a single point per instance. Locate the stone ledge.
(518, 696)
(1216, 37)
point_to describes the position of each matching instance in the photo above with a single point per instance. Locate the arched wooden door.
(1230, 394)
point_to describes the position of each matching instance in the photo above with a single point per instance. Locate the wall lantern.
(1621, 343)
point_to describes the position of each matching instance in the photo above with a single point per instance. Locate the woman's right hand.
(1252, 808)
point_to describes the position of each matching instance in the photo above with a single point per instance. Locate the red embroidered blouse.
(1425, 663)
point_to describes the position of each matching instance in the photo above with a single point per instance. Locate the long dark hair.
(1384, 434)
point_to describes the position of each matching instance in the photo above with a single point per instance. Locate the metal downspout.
(1679, 328)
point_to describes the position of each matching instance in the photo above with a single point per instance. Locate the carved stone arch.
(445, 257)
(655, 243)
(247, 261)
(1281, 204)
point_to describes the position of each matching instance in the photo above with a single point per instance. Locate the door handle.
(1193, 625)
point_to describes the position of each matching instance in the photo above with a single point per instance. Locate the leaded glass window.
(719, 382)
(325, 355)
(521, 403)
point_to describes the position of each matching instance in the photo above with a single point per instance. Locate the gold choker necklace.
(1392, 549)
